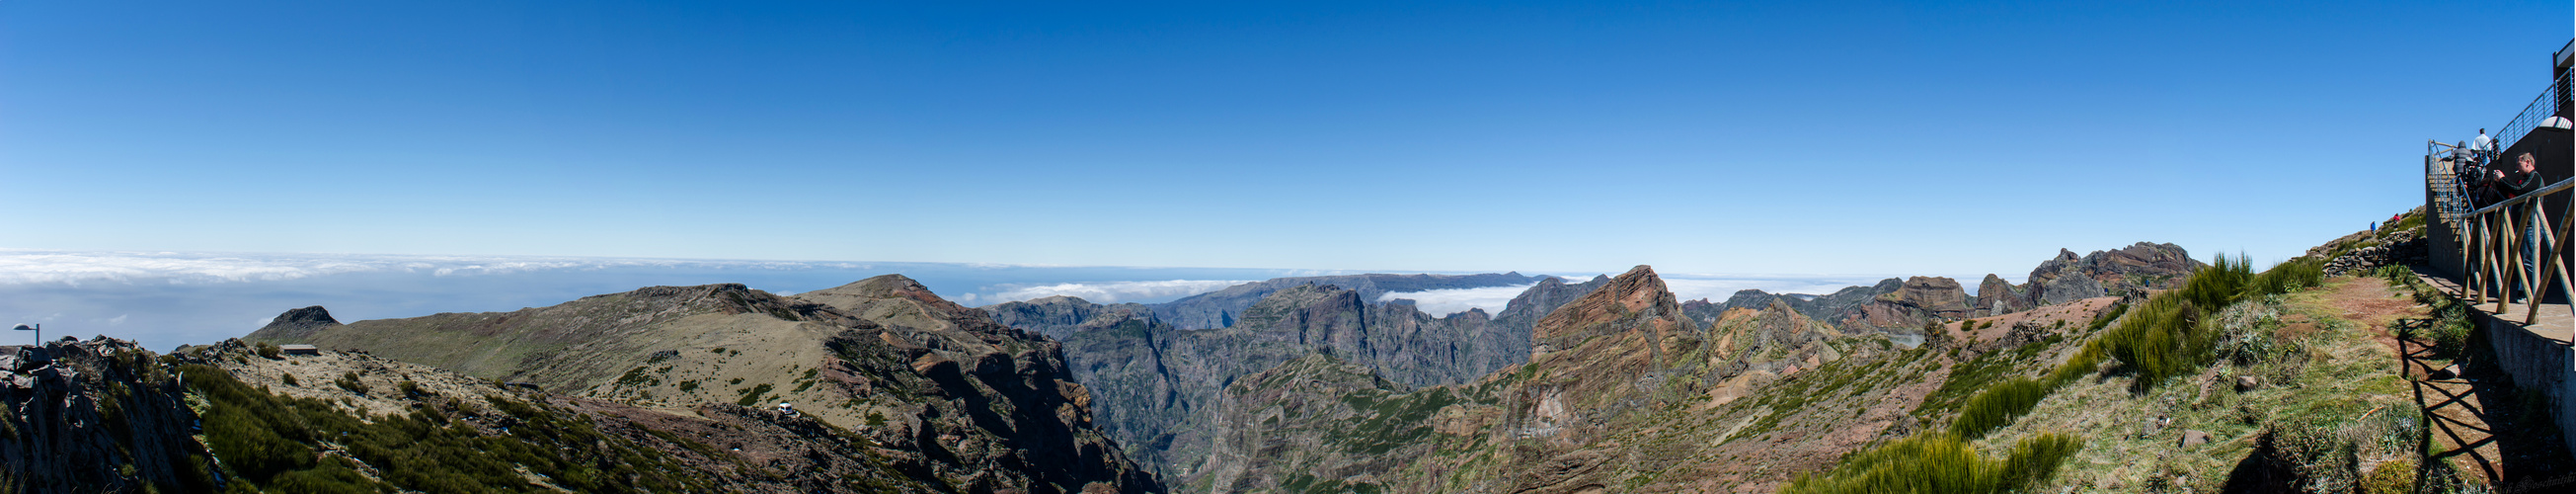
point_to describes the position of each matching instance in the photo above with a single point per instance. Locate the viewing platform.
(2505, 253)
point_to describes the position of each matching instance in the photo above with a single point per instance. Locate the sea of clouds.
(166, 299)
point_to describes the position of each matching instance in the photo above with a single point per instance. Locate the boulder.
(2194, 438)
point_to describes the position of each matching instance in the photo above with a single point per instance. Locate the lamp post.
(38, 328)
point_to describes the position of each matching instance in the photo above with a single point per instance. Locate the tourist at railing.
(2506, 185)
(2526, 179)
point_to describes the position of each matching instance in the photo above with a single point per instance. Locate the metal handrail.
(2541, 108)
(2451, 201)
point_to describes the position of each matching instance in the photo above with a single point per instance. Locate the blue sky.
(1767, 137)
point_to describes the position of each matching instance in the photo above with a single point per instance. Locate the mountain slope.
(983, 405)
(1622, 393)
(105, 416)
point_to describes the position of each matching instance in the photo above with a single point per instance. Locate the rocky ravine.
(977, 404)
(1156, 384)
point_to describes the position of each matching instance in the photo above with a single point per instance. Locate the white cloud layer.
(1110, 292)
(1456, 300)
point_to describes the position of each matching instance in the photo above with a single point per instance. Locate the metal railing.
(2541, 108)
(2494, 240)
(2448, 179)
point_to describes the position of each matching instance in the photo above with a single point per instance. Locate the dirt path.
(2469, 432)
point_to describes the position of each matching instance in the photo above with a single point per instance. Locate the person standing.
(2485, 146)
(2513, 185)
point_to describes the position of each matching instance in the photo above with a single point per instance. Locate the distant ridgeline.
(1299, 384)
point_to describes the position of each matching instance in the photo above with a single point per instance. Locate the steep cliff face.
(1590, 357)
(1157, 385)
(976, 403)
(1059, 316)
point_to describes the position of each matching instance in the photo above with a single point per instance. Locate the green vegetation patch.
(273, 443)
(753, 395)
(1395, 421)
(1941, 463)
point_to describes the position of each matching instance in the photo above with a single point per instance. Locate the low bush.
(1942, 463)
(349, 381)
(1998, 405)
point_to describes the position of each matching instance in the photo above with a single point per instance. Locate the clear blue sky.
(1762, 137)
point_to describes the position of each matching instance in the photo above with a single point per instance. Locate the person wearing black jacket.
(2513, 185)
(2516, 184)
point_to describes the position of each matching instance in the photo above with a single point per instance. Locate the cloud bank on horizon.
(1110, 292)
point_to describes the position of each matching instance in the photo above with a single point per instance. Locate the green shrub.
(1998, 405)
(2391, 477)
(2296, 274)
(349, 381)
(288, 378)
(1941, 463)
(267, 350)
(752, 396)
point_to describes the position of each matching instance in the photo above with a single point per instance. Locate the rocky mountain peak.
(301, 323)
(308, 315)
(1637, 299)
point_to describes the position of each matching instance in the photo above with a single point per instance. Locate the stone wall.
(2538, 363)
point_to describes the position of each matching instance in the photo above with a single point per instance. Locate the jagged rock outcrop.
(1995, 296)
(1222, 307)
(942, 386)
(2141, 266)
(1897, 306)
(97, 416)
